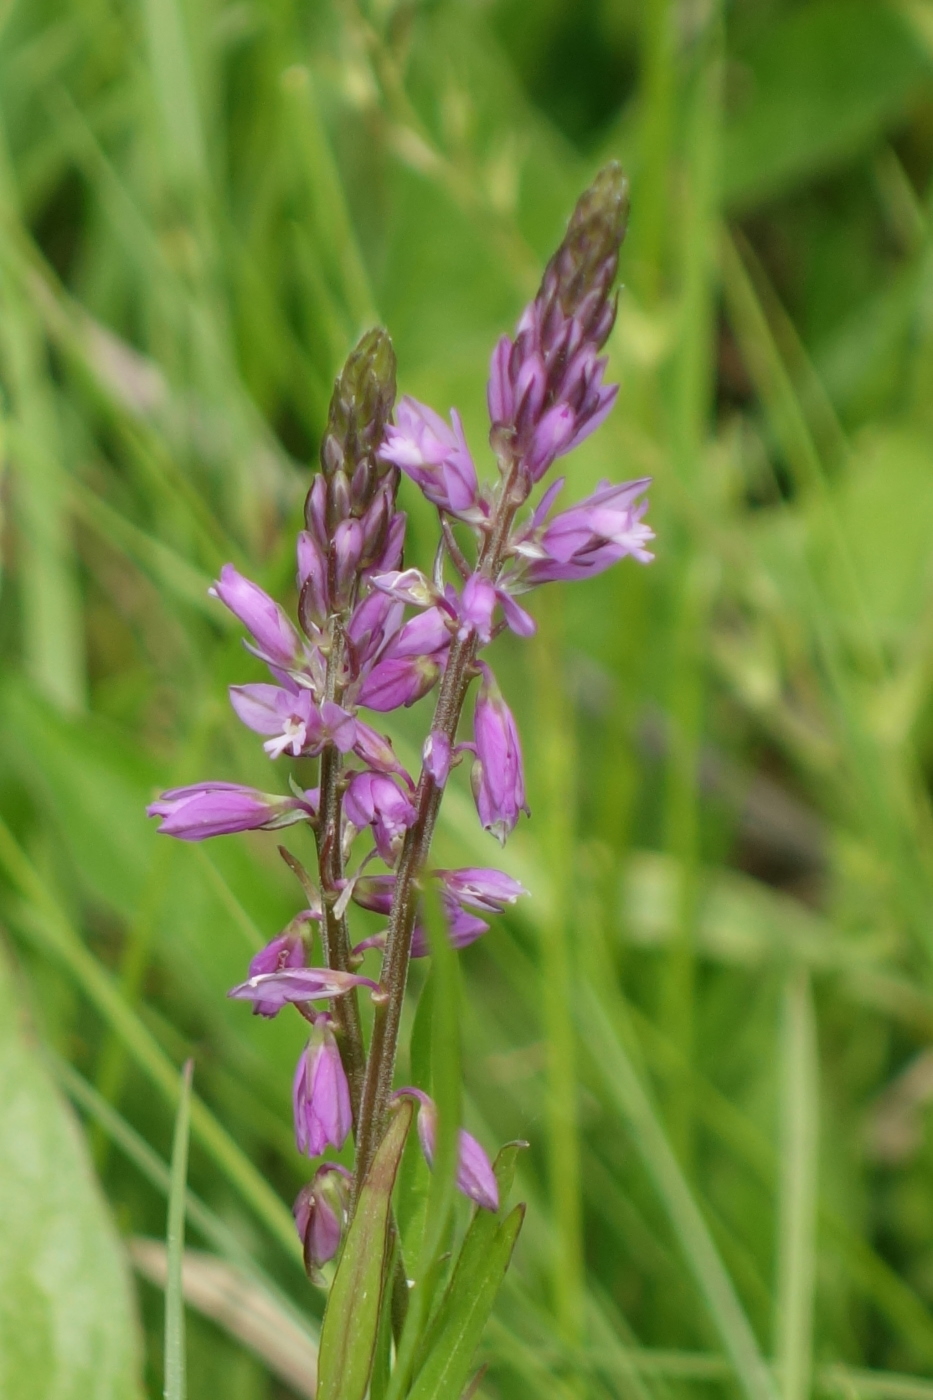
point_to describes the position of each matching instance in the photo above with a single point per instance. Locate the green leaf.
(348, 1336)
(68, 1329)
(462, 1313)
(480, 1270)
(176, 1382)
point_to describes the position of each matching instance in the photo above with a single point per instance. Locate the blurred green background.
(712, 1019)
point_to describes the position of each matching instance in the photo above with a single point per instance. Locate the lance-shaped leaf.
(464, 1314)
(452, 1339)
(351, 1322)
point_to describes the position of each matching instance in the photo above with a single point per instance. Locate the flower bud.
(320, 1212)
(475, 1176)
(498, 777)
(218, 809)
(321, 1094)
(276, 639)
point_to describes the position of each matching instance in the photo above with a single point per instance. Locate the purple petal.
(275, 636)
(298, 984)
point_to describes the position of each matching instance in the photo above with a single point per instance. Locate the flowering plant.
(375, 635)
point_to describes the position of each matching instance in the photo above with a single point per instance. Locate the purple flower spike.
(435, 457)
(218, 809)
(288, 950)
(320, 1212)
(475, 1176)
(320, 1094)
(545, 389)
(498, 776)
(277, 642)
(297, 984)
(588, 538)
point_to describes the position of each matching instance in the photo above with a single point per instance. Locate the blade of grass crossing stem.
(445, 1085)
(623, 1089)
(798, 1199)
(151, 1166)
(43, 922)
(176, 1383)
(556, 786)
(351, 1322)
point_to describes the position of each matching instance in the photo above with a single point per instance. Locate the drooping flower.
(409, 664)
(376, 800)
(475, 1176)
(498, 776)
(482, 888)
(489, 891)
(436, 756)
(218, 809)
(320, 1093)
(320, 1212)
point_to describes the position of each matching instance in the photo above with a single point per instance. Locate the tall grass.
(711, 1020)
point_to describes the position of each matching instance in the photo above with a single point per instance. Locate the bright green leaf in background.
(68, 1328)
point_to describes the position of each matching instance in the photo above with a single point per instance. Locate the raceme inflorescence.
(373, 635)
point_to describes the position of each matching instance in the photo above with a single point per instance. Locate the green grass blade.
(44, 923)
(622, 1087)
(796, 1270)
(176, 1371)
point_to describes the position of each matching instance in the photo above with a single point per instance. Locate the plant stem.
(380, 1067)
(334, 930)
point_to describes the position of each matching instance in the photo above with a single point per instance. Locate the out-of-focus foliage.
(711, 1021)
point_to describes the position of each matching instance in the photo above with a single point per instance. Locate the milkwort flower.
(475, 1176)
(376, 635)
(320, 1093)
(498, 772)
(219, 809)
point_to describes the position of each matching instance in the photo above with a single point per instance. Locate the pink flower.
(475, 1176)
(217, 809)
(321, 1094)
(277, 642)
(435, 457)
(498, 774)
